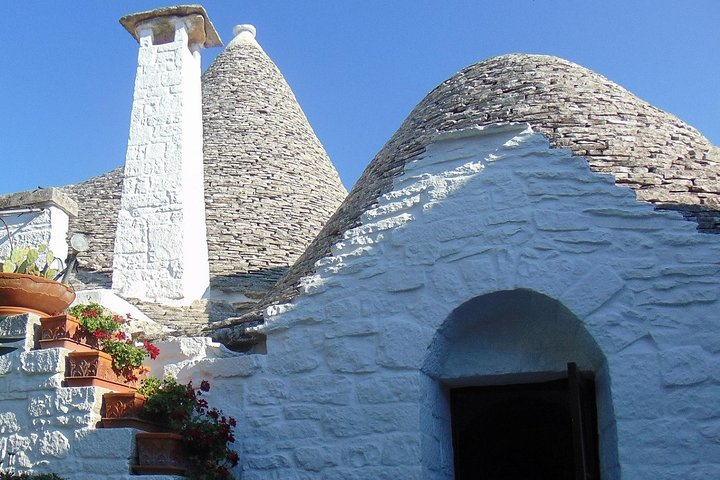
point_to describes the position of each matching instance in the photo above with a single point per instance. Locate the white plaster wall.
(49, 226)
(346, 389)
(160, 245)
(341, 392)
(45, 427)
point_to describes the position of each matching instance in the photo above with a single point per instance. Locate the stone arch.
(501, 338)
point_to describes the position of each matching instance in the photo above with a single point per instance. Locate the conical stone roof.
(666, 161)
(270, 186)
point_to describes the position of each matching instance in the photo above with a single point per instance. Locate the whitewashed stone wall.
(45, 227)
(36, 218)
(412, 302)
(355, 380)
(160, 245)
(47, 428)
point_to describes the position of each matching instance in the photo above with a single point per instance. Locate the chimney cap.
(244, 28)
(207, 35)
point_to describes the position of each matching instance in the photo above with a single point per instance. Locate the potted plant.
(27, 285)
(182, 408)
(118, 358)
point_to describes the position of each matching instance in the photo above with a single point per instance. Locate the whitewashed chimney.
(160, 244)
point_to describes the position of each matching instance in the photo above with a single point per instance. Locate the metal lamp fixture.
(78, 243)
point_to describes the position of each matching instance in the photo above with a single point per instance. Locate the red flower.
(205, 386)
(233, 457)
(151, 349)
(232, 422)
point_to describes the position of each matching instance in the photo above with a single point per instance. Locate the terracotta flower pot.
(65, 331)
(123, 404)
(94, 369)
(160, 454)
(122, 410)
(20, 293)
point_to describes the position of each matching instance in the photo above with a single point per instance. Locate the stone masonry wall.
(48, 428)
(33, 218)
(160, 245)
(98, 202)
(36, 228)
(345, 389)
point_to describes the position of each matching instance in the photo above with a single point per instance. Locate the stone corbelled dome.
(664, 160)
(98, 205)
(270, 186)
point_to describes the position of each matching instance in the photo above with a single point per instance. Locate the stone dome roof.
(269, 185)
(664, 160)
(98, 205)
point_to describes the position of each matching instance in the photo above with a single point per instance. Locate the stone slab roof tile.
(269, 185)
(267, 176)
(665, 161)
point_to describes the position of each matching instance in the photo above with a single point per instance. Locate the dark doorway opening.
(538, 431)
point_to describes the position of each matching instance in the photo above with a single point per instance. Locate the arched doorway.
(499, 392)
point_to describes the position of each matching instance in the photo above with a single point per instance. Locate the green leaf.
(18, 255)
(22, 267)
(32, 256)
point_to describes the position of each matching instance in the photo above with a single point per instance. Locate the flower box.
(122, 410)
(66, 332)
(94, 369)
(160, 454)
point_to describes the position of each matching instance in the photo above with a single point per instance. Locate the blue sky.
(356, 67)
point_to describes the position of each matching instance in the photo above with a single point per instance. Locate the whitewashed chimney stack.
(160, 244)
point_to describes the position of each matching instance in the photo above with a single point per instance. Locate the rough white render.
(355, 380)
(160, 245)
(45, 427)
(46, 225)
(493, 259)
